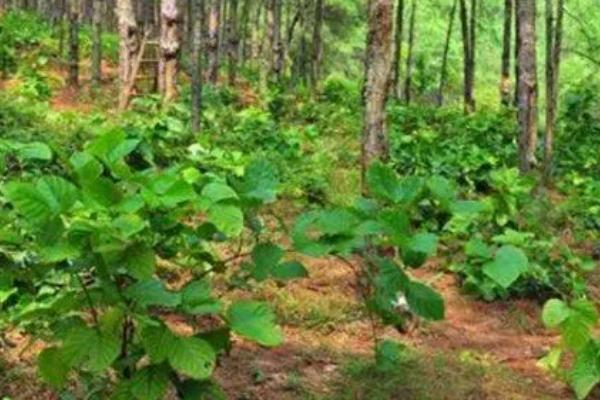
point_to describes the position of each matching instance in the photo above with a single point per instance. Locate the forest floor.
(480, 351)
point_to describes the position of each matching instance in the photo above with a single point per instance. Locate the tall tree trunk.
(397, 61)
(276, 40)
(233, 40)
(317, 44)
(378, 64)
(553, 49)
(214, 20)
(128, 48)
(505, 92)
(517, 50)
(170, 46)
(444, 70)
(409, 56)
(197, 16)
(74, 10)
(468, 31)
(527, 85)
(97, 19)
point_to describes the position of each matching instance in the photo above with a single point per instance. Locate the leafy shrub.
(83, 259)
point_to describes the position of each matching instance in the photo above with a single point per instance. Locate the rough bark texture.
(527, 85)
(409, 56)
(505, 92)
(553, 50)
(196, 73)
(397, 61)
(276, 41)
(378, 64)
(74, 10)
(128, 47)
(97, 19)
(233, 40)
(468, 31)
(317, 44)
(170, 46)
(444, 70)
(213, 40)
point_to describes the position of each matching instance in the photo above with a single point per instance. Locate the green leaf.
(217, 191)
(478, 248)
(383, 182)
(196, 298)
(260, 182)
(34, 151)
(266, 257)
(228, 218)
(255, 321)
(193, 357)
(158, 342)
(89, 347)
(86, 166)
(555, 312)
(418, 248)
(140, 261)
(289, 270)
(585, 374)
(150, 383)
(389, 355)
(52, 367)
(442, 191)
(425, 301)
(128, 225)
(202, 390)
(510, 262)
(152, 293)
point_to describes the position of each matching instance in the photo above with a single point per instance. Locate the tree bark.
(378, 64)
(505, 92)
(317, 45)
(128, 48)
(409, 56)
(444, 70)
(276, 39)
(527, 85)
(97, 19)
(397, 61)
(170, 46)
(468, 31)
(233, 41)
(213, 41)
(74, 11)
(554, 28)
(197, 16)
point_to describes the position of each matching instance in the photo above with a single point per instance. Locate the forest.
(299, 199)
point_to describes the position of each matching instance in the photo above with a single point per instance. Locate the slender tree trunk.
(213, 41)
(128, 48)
(468, 31)
(505, 92)
(378, 64)
(233, 40)
(170, 46)
(444, 71)
(517, 50)
(527, 85)
(553, 49)
(317, 43)
(397, 61)
(74, 10)
(276, 41)
(197, 16)
(409, 56)
(97, 18)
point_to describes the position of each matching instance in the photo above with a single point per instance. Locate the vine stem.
(88, 298)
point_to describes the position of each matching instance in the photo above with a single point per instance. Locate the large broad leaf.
(425, 301)
(255, 321)
(228, 218)
(266, 257)
(52, 367)
(383, 182)
(34, 151)
(193, 357)
(510, 262)
(152, 293)
(418, 248)
(555, 312)
(158, 342)
(289, 270)
(48, 198)
(139, 261)
(217, 191)
(585, 374)
(260, 182)
(196, 298)
(201, 390)
(90, 348)
(150, 383)
(442, 191)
